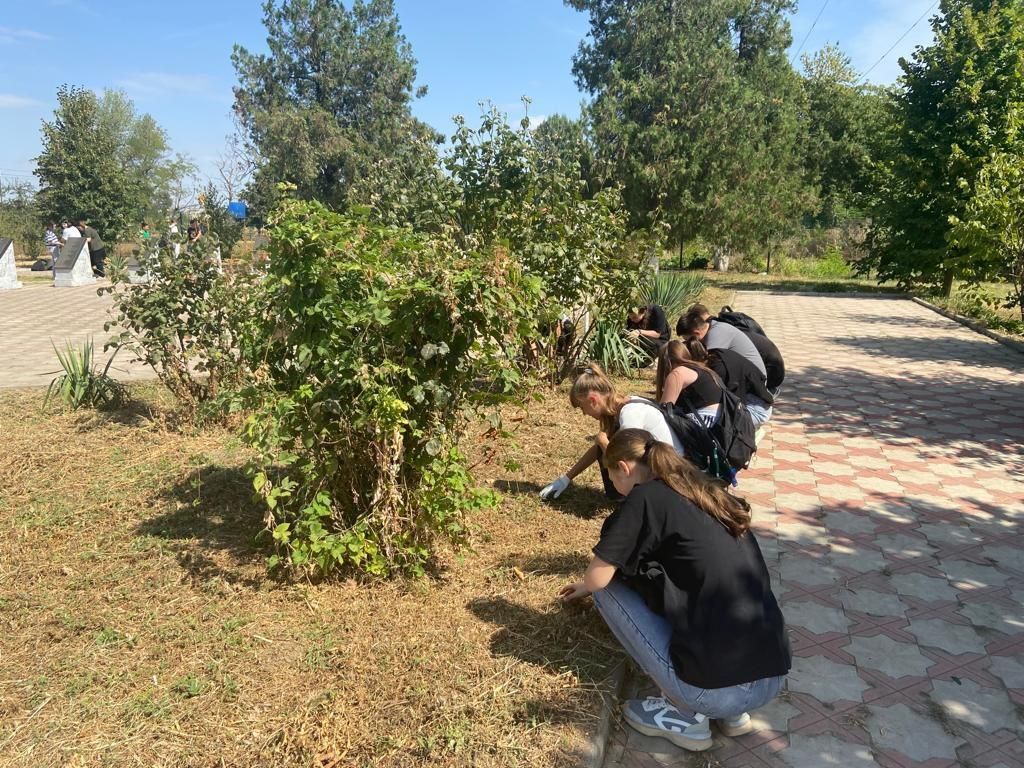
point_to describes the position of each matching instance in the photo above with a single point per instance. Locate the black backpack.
(741, 320)
(722, 449)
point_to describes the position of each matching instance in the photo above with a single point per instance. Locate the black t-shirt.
(654, 320)
(774, 368)
(713, 588)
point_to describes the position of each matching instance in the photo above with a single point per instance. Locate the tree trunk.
(947, 283)
(680, 252)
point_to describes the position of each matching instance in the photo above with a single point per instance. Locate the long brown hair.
(674, 354)
(681, 476)
(594, 380)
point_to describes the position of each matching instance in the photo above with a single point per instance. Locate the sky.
(173, 59)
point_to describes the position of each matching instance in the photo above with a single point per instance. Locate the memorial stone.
(8, 270)
(74, 267)
(136, 276)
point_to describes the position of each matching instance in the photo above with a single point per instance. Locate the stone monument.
(136, 275)
(8, 270)
(74, 266)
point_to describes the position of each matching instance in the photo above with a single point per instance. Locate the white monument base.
(8, 269)
(74, 267)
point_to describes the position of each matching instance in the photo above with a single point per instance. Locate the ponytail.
(681, 476)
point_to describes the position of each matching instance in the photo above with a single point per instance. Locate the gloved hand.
(633, 334)
(556, 488)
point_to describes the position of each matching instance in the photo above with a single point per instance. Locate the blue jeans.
(758, 409)
(646, 636)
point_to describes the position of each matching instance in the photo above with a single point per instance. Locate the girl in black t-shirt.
(687, 382)
(679, 578)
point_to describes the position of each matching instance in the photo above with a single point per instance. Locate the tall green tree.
(959, 100)
(843, 117)
(331, 99)
(81, 170)
(695, 108)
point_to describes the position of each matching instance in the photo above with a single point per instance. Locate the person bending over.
(679, 578)
(714, 334)
(649, 327)
(739, 377)
(594, 394)
(687, 383)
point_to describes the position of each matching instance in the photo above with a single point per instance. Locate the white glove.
(556, 488)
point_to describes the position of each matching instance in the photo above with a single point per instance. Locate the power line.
(807, 36)
(891, 47)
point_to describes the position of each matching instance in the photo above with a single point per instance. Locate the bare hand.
(573, 591)
(602, 441)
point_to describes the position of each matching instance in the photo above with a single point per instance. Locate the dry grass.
(140, 627)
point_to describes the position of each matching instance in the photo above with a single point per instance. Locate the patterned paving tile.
(897, 510)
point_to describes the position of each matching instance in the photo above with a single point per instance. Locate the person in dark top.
(649, 326)
(775, 368)
(678, 576)
(739, 377)
(687, 382)
(97, 248)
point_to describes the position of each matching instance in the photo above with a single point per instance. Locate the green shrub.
(81, 385)
(188, 320)
(379, 347)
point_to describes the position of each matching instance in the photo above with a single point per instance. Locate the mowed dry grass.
(140, 627)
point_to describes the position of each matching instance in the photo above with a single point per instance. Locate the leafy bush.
(498, 185)
(830, 266)
(188, 320)
(21, 220)
(81, 385)
(378, 347)
(673, 291)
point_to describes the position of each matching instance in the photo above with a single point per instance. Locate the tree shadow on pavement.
(979, 351)
(917, 406)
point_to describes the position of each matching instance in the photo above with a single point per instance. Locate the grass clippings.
(140, 626)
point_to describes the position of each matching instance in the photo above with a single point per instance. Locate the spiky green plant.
(81, 385)
(613, 350)
(673, 291)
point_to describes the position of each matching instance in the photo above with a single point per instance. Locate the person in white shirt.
(594, 394)
(69, 230)
(52, 244)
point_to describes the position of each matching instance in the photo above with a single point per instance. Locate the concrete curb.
(974, 325)
(829, 294)
(609, 706)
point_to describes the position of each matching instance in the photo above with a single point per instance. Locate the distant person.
(52, 243)
(145, 236)
(68, 230)
(97, 248)
(714, 334)
(649, 327)
(679, 578)
(194, 231)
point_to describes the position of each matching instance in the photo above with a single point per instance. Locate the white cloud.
(13, 101)
(164, 82)
(536, 120)
(12, 35)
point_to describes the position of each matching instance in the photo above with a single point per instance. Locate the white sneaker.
(736, 726)
(656, 716)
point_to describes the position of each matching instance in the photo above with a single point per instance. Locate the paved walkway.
(37, 317)
(888, 498)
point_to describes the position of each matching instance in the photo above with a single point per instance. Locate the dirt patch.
(140, 626)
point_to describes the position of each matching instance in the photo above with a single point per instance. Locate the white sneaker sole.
(735, 730)
(680, 740)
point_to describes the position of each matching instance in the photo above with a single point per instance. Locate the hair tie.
(647, 447)
(589, 371)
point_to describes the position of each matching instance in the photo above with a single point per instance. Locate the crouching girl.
(679, 578)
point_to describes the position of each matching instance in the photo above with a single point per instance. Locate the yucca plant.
(673, 291)
(613, 350)
(81, 386)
